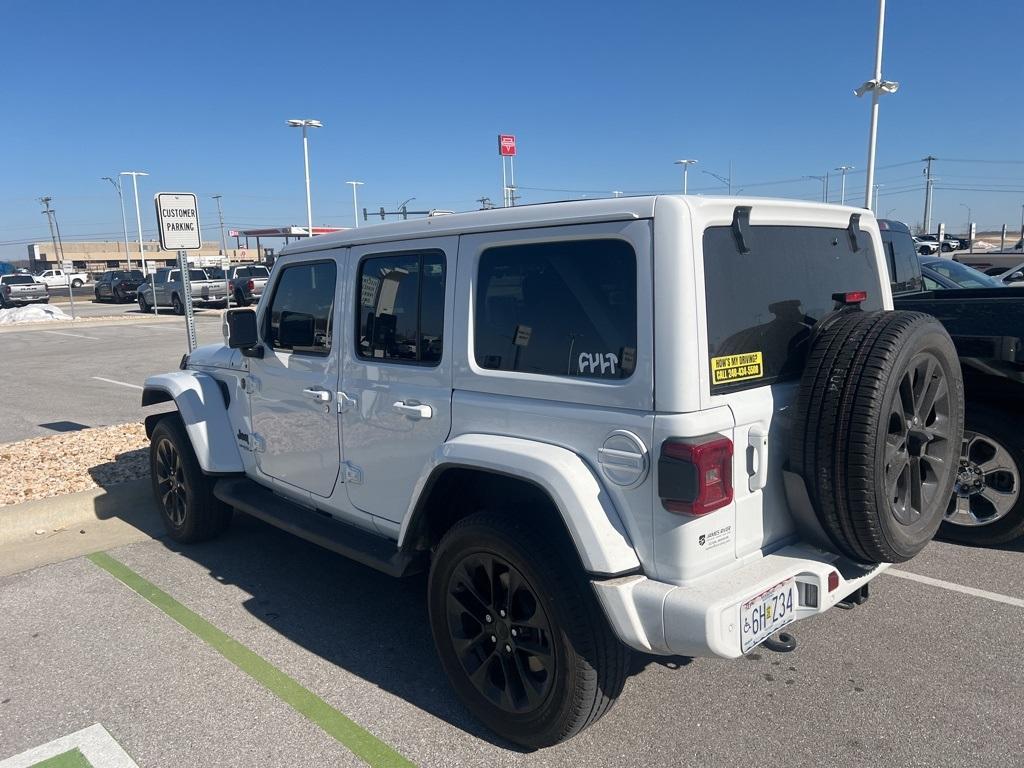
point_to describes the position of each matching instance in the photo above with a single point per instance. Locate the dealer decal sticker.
(732, 368)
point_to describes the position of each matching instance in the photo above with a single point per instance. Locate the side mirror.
(296, 330)
(1016, 276)
(242, 332)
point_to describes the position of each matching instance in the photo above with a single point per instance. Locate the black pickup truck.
(987, 326)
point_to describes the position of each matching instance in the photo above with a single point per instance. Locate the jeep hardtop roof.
(570, 212)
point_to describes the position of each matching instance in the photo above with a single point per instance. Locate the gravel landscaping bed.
(71, 462)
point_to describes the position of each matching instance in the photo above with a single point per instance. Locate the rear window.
(762, 305)
(18, 279)
(561, 309)
(259, 272)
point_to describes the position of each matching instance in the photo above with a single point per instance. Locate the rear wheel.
(519, 632)
(96, 295)
(987, 506)
(119, 296)
(76, 283)
(879, 418)
(184, 495)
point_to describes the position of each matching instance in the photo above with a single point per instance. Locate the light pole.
(726, 181)
(686, 167)
(138, 216)
(220, 217)
(874, 208)
(877, 86)
(842, 188)
(355, 201)
(824, 186)
(304, 124)
(124, 222)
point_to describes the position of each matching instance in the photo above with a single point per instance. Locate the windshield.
(18, 279)
(135, 275)
(964, 276)
(214, 273)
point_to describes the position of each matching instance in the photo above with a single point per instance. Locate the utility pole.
(842, 188)
(485, 203)
(824, 186)
(876, 86)
(51, 216)
(220, 216)
(53, 238)
(355, 200)
(928, 194)
(124, 221)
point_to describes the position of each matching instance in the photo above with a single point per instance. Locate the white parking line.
(122, 383)
(76, 335)
(993, 596)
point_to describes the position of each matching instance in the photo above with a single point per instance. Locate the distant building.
(99, 256)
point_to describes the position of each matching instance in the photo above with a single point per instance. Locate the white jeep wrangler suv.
(668, 424)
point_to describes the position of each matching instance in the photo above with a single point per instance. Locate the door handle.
(757, 440)
(320, 395)
(413, 410)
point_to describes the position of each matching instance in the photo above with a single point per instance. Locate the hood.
(216, 356)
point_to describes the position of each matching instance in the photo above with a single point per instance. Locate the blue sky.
(602, 96)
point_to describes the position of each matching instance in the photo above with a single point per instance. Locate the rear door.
(762, 299)
(397, 377)
(292, 393)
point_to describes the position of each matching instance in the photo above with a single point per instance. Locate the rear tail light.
(695, 476)
(850, 298)
(231, 285)
(252, 285)
(7, 290)
(833, 581)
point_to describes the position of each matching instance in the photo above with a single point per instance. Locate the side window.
(401, 307)
(902, 260)
(560, 309)
(302, 309)
(931, 285)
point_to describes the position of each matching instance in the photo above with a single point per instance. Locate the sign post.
(177, 216)
(507, 148)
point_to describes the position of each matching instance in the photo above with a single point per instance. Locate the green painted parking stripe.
(361, 742)
(72, 759)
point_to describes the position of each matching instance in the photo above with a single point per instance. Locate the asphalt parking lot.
(56, 377)
(261, 649)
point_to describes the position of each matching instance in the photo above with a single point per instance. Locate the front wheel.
(184, 495)
(143, 306)
(519, 632)
(179, 308)
(987, 506)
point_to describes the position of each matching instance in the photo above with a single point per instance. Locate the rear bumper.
(703, 619)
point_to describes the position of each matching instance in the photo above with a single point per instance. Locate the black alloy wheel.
(500, 633)
(919, 447)
(170, 482)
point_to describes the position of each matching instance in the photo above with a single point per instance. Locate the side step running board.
(374, 551)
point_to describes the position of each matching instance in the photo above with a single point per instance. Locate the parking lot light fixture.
(876, 86)
(355, 201)
(686, 167)
(124, 221)
(138, 213)
(305, 124)
(842, 187)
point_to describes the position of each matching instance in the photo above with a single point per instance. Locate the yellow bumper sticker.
(732, 368)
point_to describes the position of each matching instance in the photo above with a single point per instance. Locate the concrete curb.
(124, 500)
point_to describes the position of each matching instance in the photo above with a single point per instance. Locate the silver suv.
(667, 424)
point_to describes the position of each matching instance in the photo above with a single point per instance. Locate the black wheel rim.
(987, 483)
(918, 449)
(500, 633)
(170, 478)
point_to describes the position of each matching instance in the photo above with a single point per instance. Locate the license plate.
(765, 614)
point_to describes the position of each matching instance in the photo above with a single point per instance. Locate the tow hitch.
(859, 597)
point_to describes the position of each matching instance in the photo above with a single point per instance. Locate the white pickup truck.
(58, 278)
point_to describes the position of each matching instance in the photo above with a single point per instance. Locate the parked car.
(22, 289)
(246, 282)
(599, 425)
(58, 278)
(118, 285)
(948, 243)
(926, 247)
(986, 321)
(1014, 276)
(946, 273)
(170, 293)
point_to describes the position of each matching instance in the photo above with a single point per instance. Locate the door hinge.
(345, 403)
(353, 474)
(258, 444)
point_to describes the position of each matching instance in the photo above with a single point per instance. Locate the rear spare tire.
(877, 431)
